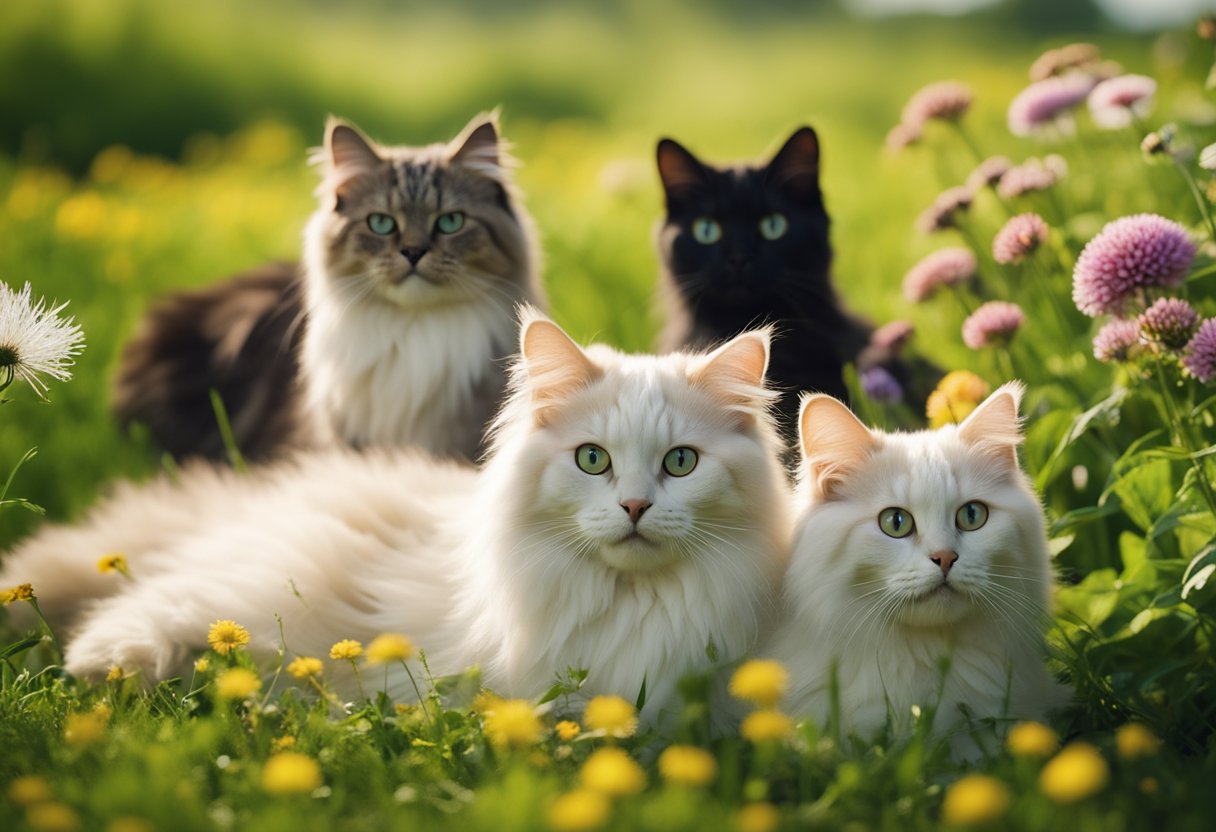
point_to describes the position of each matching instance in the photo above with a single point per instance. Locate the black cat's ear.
(994, 428)
(552, 365)
(795, 168)
(679, 170)
(833, 441)
(348, 149)
(478, 143)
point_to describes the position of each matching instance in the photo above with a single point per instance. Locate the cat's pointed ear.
(994, 428)
(833, 441)
(734, 373)
(348, 149)
(679, 170)
(478, 144)
(795, 168)
(553, 365)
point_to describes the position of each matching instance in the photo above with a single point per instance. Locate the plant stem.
(1182, 436)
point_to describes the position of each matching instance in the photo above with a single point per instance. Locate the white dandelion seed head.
(34, 340)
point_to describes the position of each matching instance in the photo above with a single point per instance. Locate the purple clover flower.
(988, 172)
(1200, 360)
(1018, 238)
(943, 101)
(1129, 255)
(1030, 176)
(1046, 102)
(881, 386)
(994, 323)
(944, 267)
(1169, 322)
(893, 336)
(944, 211)
(1116, 101)
(1057, 61)
(1117, 340)
(901, 136)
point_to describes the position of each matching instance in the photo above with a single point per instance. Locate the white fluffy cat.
(919, 575)
(632, 511)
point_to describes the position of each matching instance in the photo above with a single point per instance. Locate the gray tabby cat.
(394, 330)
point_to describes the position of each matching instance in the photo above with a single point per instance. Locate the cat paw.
(95, 652)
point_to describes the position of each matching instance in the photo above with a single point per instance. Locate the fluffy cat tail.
(239, 338)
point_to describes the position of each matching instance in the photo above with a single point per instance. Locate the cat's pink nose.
(635, 509)
(945, 559)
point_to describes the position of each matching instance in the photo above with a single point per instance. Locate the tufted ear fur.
(554, 365)
(994, 428)
(795, 168)
(833, 440)
(734, 373)
(347, 148)
(478, 144)
(679, 171)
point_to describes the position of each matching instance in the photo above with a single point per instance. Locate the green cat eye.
(773, 226)
(706, 230)
(896, 522)
(971, 516)
(449, 223)
(381, 223)
(679, 462)
(592, 458)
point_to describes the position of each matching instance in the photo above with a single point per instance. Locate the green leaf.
(1105, 413)
(641, 700)
(1199, 580)
(21, 646)
(1146, 492)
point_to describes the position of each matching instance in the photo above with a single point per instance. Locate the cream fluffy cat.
(631, 512)
(919, 574)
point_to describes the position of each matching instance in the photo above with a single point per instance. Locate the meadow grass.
(216, 183)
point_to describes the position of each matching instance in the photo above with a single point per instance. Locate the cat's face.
(748, 233)
(925, 529)
(418, 226)
(640, 462)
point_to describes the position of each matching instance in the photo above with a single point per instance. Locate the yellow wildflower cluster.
(757, 817)
(28, 789)
(1032, 739)
(21, 592)
(113, 562)
(611, 715)
(1074, 774)
(303, 667)
(1135, 741)
(237, 683)
(955, 397)
(52, 817)
(202, 664)
(86, 728)
(512, 723)
(975, 799)
(290, 772)
(765, 726)
(390, 647)
(687, 765)
(567, 730)
(762, 681)
(347, 648)
(612, 772)
(226, 635)
(579, 810)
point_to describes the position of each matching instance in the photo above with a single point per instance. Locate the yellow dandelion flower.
(282, 743)
(102, 710)
(81, 729)
(226, 635)
(346, 649)
(390, 647)
(28, 790)
(567, 730)
(612, 772)
(21, 592)
(762, 726)
(955, 397)
(612, 715)
(82, 216)
(110, 164)
(1032, 739)
(114, 674)
(687, 765)
(302, 667)
(975, 799)
(579, 810)
(237, 683)
(290, 772)
(1135, 740)
(130, 823)
(485, 701)
(202, 664)
(1074, 774)
(52, 817)
(757, 817)
(762, 681)
(513, 723)
(113, 562)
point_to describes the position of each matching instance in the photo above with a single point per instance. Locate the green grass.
(219, 102)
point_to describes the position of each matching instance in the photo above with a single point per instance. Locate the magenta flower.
(988, 172)
(944, 101)
(944, 267)
(944, 211)
(994, 323)
(1047, 102)
(1117, 340)
(893, 336)
(881, 386)
(1200, 360)
(1030, 176)
(1057, 61)
(1019, 237)
(1169, 322)
(1114, 102)
(1129, 255)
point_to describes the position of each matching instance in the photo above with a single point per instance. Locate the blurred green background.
(147, 145)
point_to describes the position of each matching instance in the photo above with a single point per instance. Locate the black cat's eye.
(592, 459)
(706, 230)
(971, 516)
(896, 522)
(449, 223)
(773, 226)
(679, 462)
(381, 224)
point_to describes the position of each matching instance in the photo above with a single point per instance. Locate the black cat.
(749, 245)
